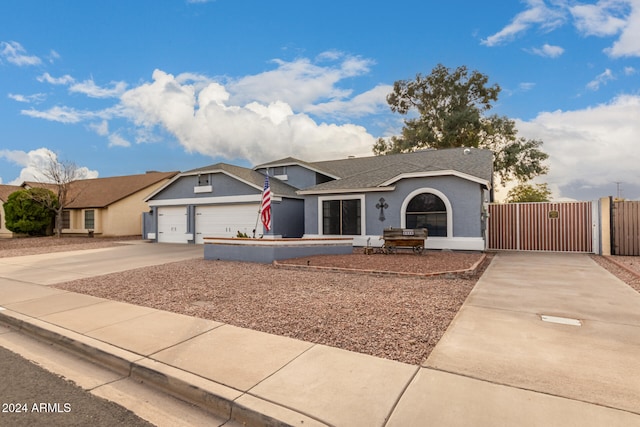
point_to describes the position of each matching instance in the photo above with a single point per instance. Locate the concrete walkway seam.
(462, 374)
(215, 398)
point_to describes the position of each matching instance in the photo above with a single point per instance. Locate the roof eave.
(346, 190)
(428, 174)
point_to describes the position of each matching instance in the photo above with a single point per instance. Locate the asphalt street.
(32, 396)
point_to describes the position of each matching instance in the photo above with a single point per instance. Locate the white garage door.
(172, 224)
(226, 221)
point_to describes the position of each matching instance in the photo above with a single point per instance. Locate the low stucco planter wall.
(268, 250)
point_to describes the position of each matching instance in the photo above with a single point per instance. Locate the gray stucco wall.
(287, 218)
(223, 185)
(466, 199)
(298, 176)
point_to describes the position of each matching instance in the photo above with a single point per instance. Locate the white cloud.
(14, 53)
(36, 97)
(601, 79)
(629, 42)
(34, 161)
(59, 114)
(299, 83)
(208, 122)
(537, 14)
(64, 80)
(593, 147)
(256, 118)
(598, 19)
(101, 128)
(89, 88)
(548, 51)
(605, 18)
(116, 140)
(526, 86)
(369, 102)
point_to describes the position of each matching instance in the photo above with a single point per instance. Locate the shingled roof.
(6, 190)
(377, 172)
(101, 192)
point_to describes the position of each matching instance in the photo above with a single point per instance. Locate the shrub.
(29, 211)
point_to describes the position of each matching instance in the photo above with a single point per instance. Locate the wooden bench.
(395, 238)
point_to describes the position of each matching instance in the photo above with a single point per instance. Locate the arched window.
(426, 210)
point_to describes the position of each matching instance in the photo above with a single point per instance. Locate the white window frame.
(363, 218)
(445, 199)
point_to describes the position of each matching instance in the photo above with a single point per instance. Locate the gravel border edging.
(471, 271)
(621, 265)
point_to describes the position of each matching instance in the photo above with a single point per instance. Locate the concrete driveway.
(52, 268)
(543, 339)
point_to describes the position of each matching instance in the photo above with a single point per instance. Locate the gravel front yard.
(399, 318)
(391, 317)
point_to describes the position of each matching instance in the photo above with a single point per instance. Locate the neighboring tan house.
(108, 206)
(5, 191)
(445, 191)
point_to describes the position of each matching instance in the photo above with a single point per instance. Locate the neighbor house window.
(342, 217)
(89, 219)
(203, 180)
(428, 211)
(66, 220)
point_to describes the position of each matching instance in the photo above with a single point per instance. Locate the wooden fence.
(626, 228)
(563, 227)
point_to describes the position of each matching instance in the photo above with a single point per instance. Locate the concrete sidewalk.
(498, 364)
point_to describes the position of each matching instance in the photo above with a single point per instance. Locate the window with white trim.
(426, 210)
(342, 217)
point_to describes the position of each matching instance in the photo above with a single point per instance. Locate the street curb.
(215, 398)
(471, 271)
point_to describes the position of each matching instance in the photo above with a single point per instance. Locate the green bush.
(30, 211)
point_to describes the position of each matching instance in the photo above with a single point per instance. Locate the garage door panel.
(172, 224)
(225, 220)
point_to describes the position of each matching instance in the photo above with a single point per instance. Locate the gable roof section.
(6, 190)
(378, 173)
(292, 161)
(101, 192)
(248, 176)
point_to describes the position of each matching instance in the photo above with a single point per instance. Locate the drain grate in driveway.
(560, 320)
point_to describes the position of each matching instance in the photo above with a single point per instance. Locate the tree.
(524, 192)
(60, 174)
(29, 211)
(451, 108)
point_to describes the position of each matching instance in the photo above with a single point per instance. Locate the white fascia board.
(437, 173)
(257, 198)
(339, 191)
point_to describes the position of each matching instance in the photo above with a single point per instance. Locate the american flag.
(265, 210)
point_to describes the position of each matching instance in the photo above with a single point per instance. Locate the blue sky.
(122, 87)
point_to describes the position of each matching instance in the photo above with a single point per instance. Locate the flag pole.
(259, 212)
